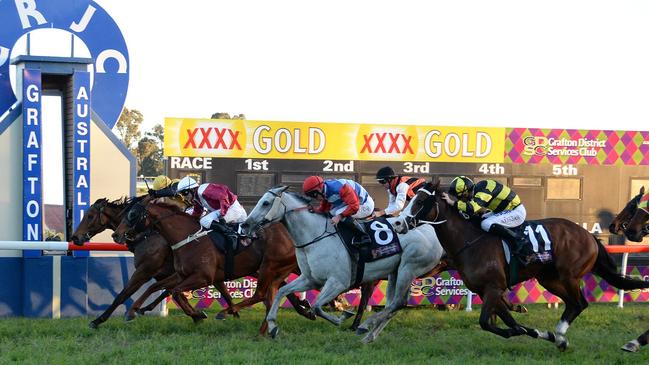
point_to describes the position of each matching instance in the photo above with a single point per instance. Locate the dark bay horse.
(152, 256)
(199, 264)
(637, 226)
(480, 260)
(632, 222)
(622, 219)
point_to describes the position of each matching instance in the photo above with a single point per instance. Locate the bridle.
(146, 230)
(266, 220)
(411, 219)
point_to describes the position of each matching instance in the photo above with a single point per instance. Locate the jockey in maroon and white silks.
(215, 199)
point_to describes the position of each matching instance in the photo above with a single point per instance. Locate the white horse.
(326, 265)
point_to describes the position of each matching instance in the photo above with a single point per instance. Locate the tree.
(127, 128)
(150, 152)
(149, 157)
(227, 116)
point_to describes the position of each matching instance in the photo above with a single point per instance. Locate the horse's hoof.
(273, 332)
(140, 311)
(362, 331)
(522, 309)
(353, 328)
(631, 346)
(202, 315)
(129, 317)
(220, 316)
(368, 338)
(347, 314)
(93, 325)
(236, 315)
(562, 345)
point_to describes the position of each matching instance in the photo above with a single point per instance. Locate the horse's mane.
(123, 202)
(174, 208)
(300, 197)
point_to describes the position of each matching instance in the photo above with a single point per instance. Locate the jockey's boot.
(516, 242)
(231, 236)
(360, 237)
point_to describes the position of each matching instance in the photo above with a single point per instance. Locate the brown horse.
(632, 222)
(637, 226)
(621, 222)
(152, 256)
(199, 264)
(480, 259)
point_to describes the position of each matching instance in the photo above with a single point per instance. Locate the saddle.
(222, 240)
(384, 243)
(533, 245)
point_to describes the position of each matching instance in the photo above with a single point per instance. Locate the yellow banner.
(331, 141)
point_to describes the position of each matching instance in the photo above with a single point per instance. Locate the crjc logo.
(535, 146)
(396, 143)
(216, 140)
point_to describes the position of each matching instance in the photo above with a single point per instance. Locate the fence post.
(620, 293)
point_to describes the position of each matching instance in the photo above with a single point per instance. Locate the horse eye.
(266, 203)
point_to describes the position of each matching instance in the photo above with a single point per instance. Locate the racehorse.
(637, 226)
(621, 221)
(152, 257)
(480, 259)
(198, 263)
(326, 265)
(622, 224)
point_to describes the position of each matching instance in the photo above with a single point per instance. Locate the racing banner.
(571, 146)
(445, 288)
(331, 141)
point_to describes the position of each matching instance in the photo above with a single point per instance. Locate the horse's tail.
(606, 268)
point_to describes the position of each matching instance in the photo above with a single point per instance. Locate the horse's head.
(637, 227)
(270, 208)
(135, 219)
(621, 221)
(95, 221)
(424, 206)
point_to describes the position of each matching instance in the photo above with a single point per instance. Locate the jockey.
(498, 207)
(217, 200)
(344, 200)
(163, 182)
(400, 189)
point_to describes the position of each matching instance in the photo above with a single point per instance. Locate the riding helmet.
(312, 183)
(461, 186)
(186, 183)
(385, 172)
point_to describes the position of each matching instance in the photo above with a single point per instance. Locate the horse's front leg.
(168, 282)
(302, 283)
(366, 293)
(493, 303)
(329, 292)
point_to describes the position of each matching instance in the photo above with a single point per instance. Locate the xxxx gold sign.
(331, 141)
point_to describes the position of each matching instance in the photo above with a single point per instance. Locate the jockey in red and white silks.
(216, 199)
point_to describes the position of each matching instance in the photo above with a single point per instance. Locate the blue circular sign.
(92, 25)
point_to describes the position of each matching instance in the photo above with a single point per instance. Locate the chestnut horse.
(198, 263)
(152, 257)
(480, 260)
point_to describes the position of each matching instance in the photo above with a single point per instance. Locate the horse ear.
(642, 190)
(284, 188)
(436, 181)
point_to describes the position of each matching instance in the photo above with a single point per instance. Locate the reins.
(266, 221)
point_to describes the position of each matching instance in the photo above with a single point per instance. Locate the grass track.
(415, 336)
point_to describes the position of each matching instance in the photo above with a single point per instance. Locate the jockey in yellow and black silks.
(498, 206)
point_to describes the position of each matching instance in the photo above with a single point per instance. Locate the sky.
(506, 63)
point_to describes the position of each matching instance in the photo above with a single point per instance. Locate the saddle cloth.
(537, 246)
(385, 241)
